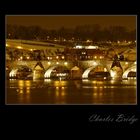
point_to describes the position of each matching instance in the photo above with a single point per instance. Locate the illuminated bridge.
(85, 66)
(114, 67)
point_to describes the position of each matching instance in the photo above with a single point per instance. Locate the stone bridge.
(85, 66)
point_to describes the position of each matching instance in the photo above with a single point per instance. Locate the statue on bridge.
(37, 55)
(116, 69)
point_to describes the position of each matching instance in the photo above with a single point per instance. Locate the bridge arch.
(88, 70)
(13, 73)
(20, 71)
(49, 71)
(133, 69)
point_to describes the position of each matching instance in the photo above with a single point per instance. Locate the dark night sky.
(54, 22)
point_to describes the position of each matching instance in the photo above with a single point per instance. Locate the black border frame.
(70, 115)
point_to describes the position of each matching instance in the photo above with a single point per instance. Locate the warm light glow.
(63, 57)
(100, 57)
(28, 57)
(48, 72)
(48, 58)
(135, 63)
(91, 47)
(66, 63)
(113, 73)
(49, 63)
(105, 70)
(61, 74)
(57, 63)
(7, 45)
(21, 90)
(13, 73)
(57, 57)
(83, 52)
(21, 83)
(47, 80)
(19, 47)
(95, 57)
(126, 63)
(28, 90)
(94, 63)
(28, 83)
(86, 72)
(21, 57)
(79, 47)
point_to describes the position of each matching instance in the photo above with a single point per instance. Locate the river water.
(60, 92)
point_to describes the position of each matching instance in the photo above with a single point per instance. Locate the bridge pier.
(116, 73)
(38, 72)
(116, 70)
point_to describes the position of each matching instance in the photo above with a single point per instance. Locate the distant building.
(84, 53)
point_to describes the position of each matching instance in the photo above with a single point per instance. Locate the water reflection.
(71, 92)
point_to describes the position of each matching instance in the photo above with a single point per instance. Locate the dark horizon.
(67, 21)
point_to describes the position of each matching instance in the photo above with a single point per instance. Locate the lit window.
(83, 52)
